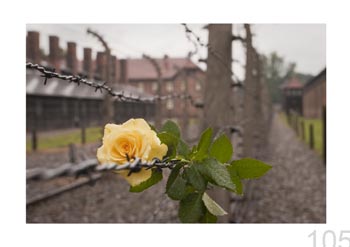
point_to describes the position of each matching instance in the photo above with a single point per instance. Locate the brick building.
(292, 91)
(179, 75)
(314, 96)
(58, 105)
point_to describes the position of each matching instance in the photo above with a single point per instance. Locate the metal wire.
(237, 82)
(120, 95)
(91, 165)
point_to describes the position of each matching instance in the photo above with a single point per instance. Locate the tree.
(275, 72)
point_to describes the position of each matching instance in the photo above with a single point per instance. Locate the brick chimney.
(166, 61)
(87, 64)
(72, 62)
(54, 53)
(123, 70)
(33, 49)
(101, 65)
(114, 69)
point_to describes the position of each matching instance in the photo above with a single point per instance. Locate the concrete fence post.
(324, 134)
(311, 136)
(302, 130)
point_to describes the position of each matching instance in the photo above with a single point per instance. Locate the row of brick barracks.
(309, 99)
(57, 106)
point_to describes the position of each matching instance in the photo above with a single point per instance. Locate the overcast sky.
(304, 44)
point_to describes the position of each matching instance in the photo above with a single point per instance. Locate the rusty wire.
(48, 73)
(89, 166)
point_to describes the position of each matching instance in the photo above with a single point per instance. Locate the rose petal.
(139, 124)
(136, 178)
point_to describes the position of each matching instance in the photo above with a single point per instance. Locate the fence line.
(237, 82)
(86, 167)
(47, 73)
(61, 189)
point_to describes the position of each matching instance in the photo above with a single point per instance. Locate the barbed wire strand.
(92, 165)
(237, 83)
(47, 73)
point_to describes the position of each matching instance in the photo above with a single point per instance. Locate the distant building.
(179, 76)
(314, 96)
(292, 92)
(58, 105)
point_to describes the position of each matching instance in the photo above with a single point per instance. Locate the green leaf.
(172, 128)
(176, 185)
(205, 140)
(192, 152)
(183, 149)
(195, 178)
(171, 141)
(235, 179)
(155, 178)
(249, 168)
(190, 189)
(204, 144)
(177, 190)
(221, 149)
(173, 175)
(208, 218)
(191, 208)
(217, 173)
(212, 206)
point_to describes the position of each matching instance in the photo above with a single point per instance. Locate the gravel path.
(108, 201)
(294, 190)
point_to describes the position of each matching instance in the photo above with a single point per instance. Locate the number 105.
(330, 239)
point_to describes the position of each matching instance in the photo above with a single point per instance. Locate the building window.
(198, 86)
(170, 86)
(154, 86)
(140, 86)
(170, 104)
(64, 108)
(183, 86)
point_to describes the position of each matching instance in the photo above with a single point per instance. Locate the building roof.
(292, 83)
(59, 88)
(142, 69)
(313, 80)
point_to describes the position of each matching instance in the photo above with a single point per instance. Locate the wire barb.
(103, 87)
(87, 167)
(212, 51)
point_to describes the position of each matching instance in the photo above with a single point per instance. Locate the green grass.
(59, 140)
(318, 126)
(318, 130)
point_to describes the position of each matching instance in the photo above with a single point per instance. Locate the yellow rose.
(133, 139)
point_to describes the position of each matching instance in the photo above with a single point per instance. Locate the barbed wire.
(49, 73)
(237, 82)
(196, 48)
(91, 165)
